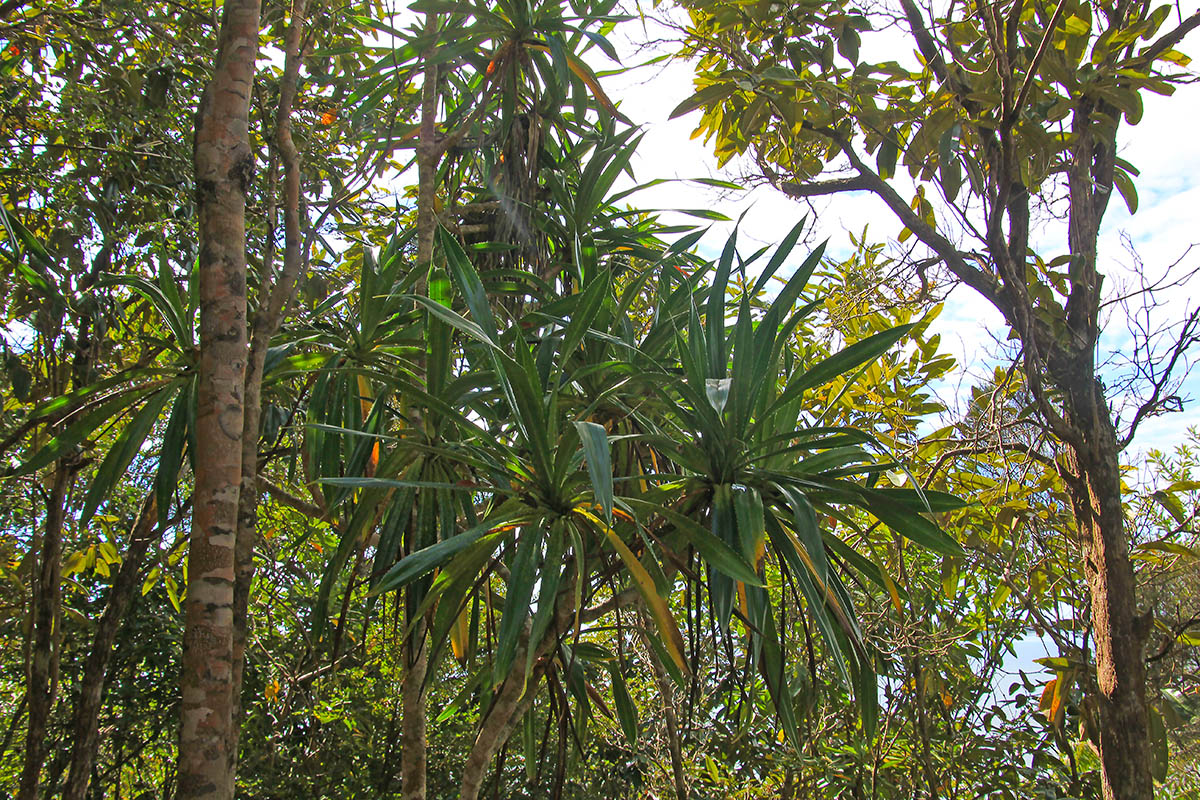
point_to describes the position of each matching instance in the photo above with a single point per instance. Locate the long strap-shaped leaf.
(424, 561)
(671, 637)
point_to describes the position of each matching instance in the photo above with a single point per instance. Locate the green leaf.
(714, 552)
(1171, 504)
(170, 457)
(886, 157)
(424, 561)
(522, 576)
(844, 361)
(714, 314)
(848, 43)
(1128, 191)
(710, 95)
(1158, 745)
(911, 525)
(671, 638)
(626, 710)
(468, 282)
(127, 445)
(596, 451)
(79, 431)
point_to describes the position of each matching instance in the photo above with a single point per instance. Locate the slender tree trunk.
(788, 792)
(428, 152)
(85, 720)
(413, 735)
(666, 691)
(42, 685)
(922, 720)
(277, 294)
(1119, 632)
(224, 164)
(511, 701)
(413, 742)
(508, 708)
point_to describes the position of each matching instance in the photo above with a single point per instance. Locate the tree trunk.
(1119, 632)
(275, 300)
(413, 763)
(224, 164)
(666, 691)
(85, 720)
(1096, 485)
(412, 715)
(512, 699)
(43, 667)
(508, 708)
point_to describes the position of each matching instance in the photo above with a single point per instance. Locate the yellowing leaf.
(672, 638)
(458, 635)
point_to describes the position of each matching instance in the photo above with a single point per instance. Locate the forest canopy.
(365, 434)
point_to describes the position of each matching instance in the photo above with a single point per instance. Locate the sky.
(1164, 147)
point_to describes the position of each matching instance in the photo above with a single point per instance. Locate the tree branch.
(1169, 40)
(1027, 84)
(9, 7)
(284, 497)
(976, 278)
(1169, 644)
(800, 190)
(1187, 337)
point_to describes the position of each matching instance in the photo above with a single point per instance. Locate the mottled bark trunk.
(224, 164)
(42, 685)
(413, 717)
(85, 719)
(1096, 496)
(276, 298)
(512, 700)
(1119, 633)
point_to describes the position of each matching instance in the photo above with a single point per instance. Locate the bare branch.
(284, 497)
(1188, 336)
(1027, 84)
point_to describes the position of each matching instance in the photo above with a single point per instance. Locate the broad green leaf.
(599, 463)
(705, 97)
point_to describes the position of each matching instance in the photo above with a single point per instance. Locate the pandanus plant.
(616, 443)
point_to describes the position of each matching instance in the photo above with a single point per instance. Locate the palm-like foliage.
(597, 457)
(561, 417)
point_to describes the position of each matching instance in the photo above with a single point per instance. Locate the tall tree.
(224, 166)
(1025, 98)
